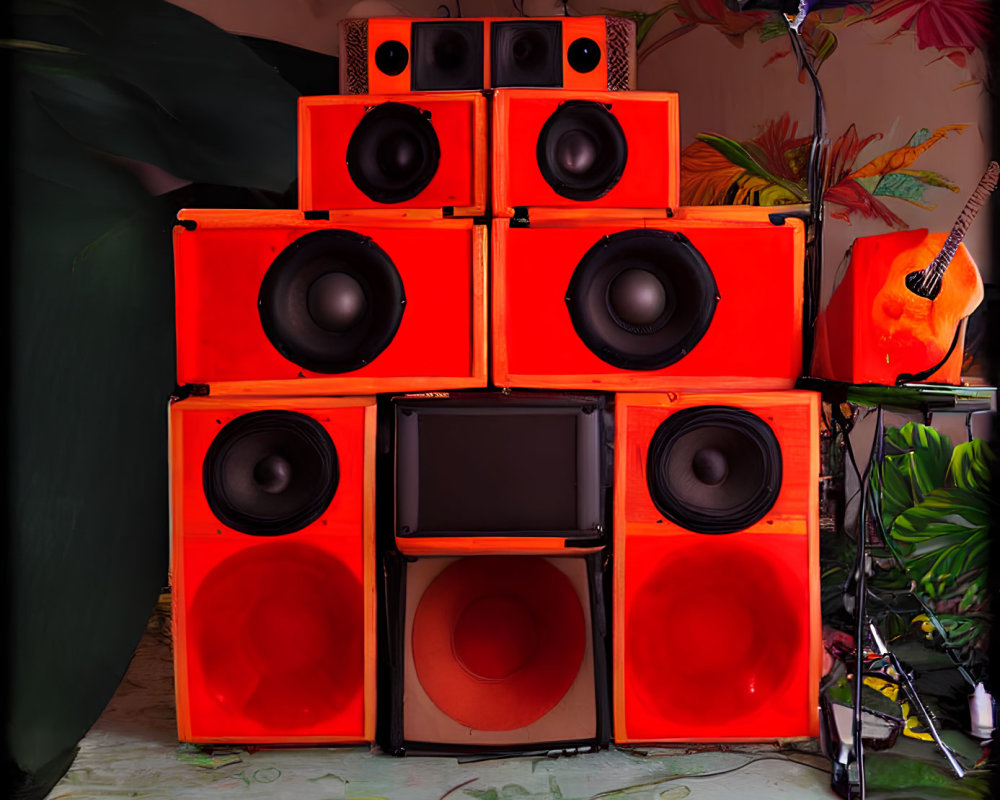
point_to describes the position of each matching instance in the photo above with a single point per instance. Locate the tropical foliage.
(770, 169)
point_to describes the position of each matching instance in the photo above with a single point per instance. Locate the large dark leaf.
(152, 82)
(915, 463)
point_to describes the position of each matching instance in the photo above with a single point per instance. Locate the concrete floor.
(132, 751)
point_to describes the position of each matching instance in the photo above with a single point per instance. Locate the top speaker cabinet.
(397, 54)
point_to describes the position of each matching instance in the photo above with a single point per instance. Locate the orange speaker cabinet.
(584, 150)
(392, 152)
(498, 653)
(716, 605)
(501, 473)
(273, 302)
(875, 330)
(273, 569)
(397, 54)
(647, 304)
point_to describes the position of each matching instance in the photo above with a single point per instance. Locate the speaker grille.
(447, 55)
(714, 469)
(621, 58)
(355, 55)
(269, 473)
(526, 53)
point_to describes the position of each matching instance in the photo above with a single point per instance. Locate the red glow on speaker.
(498, 641)
(710, 634)
(278, 631)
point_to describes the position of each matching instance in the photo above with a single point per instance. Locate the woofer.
(447, 55)
(269, 473)
(582, 150)
(714, 469)
(642, 299)
(393, 153)
(526, 53)
(331, 301)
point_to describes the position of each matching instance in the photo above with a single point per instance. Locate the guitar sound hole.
(914, 281)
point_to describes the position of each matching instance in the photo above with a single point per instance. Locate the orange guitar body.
(875, 329)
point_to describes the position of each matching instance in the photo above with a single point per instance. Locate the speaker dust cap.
(331, 301)
(582, 150)
(642, 299)
(497, 641)
(714, 469)
(269, 473)
(393, 153)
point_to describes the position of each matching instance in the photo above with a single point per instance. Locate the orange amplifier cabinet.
(631, 304)
(875, 330)
(585, 150)
(400, 54)
(717, 629)
(273, 569)
(275, 302)
(394, 152)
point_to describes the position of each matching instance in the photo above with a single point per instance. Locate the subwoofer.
(584, 150)
(397, 54)
(273, 569)
(275, 302)
(645, 304)
(716, 607)
(425, 151)
(499, 653)
(494, 473)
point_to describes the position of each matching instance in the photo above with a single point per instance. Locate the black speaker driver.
(447, 55)
(393, 153)
(269, 473)
(331, 301)
(642, 299)
(582, 150)
(714, 469)
(526, 53)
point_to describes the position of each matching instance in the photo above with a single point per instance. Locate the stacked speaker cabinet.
(497, 614)
(275, 302)
(273, 568)
(717, 631)
(395, 55)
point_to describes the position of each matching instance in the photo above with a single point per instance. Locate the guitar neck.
(936, 269)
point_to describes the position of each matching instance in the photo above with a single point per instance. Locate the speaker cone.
(497, 641)
(392, 57)
(393, 153)
(447, 55)
(714, 469)
(642, 299)
(582, 150)
(278, 630)
(269, 473)
(331, 301)
(526, 53)
(583, 55)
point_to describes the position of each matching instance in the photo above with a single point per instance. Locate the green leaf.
(902, 186)
(737, 154)
(971, 466)
(915, 463)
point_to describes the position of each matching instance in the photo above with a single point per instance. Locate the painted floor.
(132, 751)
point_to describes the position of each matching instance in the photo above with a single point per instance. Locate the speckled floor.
(132, 751)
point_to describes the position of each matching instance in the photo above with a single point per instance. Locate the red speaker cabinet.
(391, 152)
(498, 653)
(876, 330)
(585, 150)
(647, 304)
(273, 569)
(495, 473)
(396, 54)
(716, 608)
(275, 302)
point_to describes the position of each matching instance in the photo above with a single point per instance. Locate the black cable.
(815, 187)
